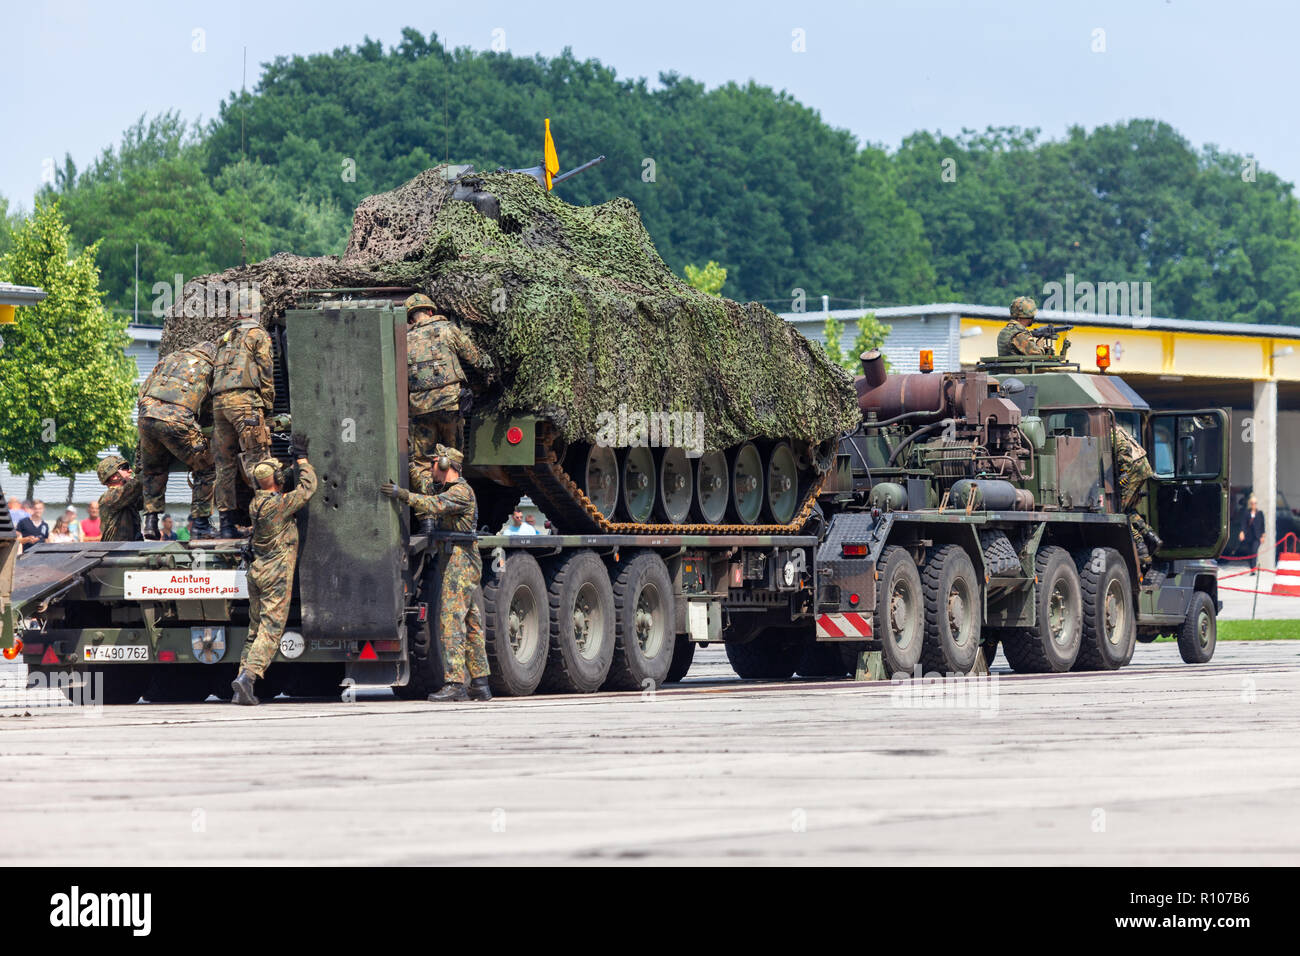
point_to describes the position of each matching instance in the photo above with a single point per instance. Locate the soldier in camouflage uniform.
(119, 506)
(437, 351)
(170, 401)
(463, 643)
(243, 394)
(1133, 470)
(275, 554)
(1015, 338)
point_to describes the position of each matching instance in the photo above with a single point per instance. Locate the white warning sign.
(185, 585)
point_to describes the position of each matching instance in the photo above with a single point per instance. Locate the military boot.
(450, 693)
(150, 532)
(1154, 543)
(479, 689)
(228, 529)
(201, 527)
(243, 689)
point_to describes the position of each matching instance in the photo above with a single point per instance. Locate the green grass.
(1259, 630)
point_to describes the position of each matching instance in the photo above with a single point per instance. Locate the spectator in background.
(90, 530)
(532, 523)
(33, 529)
(62, 532)
(186, 531)
(1252, 528)
(168, 530)
(517, 525)
(16, 511)
(74, 526)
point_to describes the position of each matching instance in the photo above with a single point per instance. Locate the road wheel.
(582, 624)
(178, 684)
(1109, 620)
(683, 654)
(773, 654)
(952, 612)
(899, 622)
(1200, 631)
(123, 683)
(517, 622)
(1052, 645)
(644, 621)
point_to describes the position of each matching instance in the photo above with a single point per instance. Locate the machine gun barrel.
(539, 174)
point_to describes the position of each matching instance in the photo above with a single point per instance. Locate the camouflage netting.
(574, 305)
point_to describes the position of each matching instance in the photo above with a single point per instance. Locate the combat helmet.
(418, 301)
(109, 467)
(1023, 308)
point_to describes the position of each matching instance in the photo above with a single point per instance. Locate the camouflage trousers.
(1137, 529)
(161, 443)
(270, 589)
(428, 431)
(240, 439)
(459, 620)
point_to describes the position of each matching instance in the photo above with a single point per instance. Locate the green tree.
(66, 385)
(831, 333)
(9, 222)
(711, 278)
(871, 335)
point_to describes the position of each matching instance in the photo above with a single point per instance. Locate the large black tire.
(952, 612)
(517, 619)
(1109, 617)
(773, 654)
(423, 648)
(683, 655)
(1199, 634)
(124, 683)
(582, 624)
(1052, 645)
(644, 623)
(821, 659)
(178, 684)
(899, 620)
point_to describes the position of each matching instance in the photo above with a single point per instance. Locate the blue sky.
(1223, 73)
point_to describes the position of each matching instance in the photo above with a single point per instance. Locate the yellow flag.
(552, 164)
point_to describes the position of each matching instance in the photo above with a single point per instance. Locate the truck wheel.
(952, 612)
(683, 654)
(900, 616)
(1200, 631)
(517, 621)
(582, 624)
(124, 683)
(179, 684)
(1052, 645)
(644, 620)
(773, 654)
(1109, 622)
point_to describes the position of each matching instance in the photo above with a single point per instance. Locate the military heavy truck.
(968, 511)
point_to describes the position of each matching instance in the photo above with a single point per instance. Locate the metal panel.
(343, 365)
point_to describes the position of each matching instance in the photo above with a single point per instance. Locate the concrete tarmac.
(1160, 763)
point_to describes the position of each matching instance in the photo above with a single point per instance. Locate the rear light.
(167, 657)
(11, 653)
(853, 600)
(737, 576)
(853, 550)
(514, 435)
(389, 646)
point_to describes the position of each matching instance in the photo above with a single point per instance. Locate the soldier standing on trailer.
(463, 645)
(119, 506)
(243, 394)
(275, 553)
(437, 351)
(170, 401)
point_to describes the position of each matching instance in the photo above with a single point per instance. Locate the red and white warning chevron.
(849, 627)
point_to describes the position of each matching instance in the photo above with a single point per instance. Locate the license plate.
(116, 652)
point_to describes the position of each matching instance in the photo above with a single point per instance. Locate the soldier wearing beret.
(275, 554)
(119, 506)
(454, 508)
